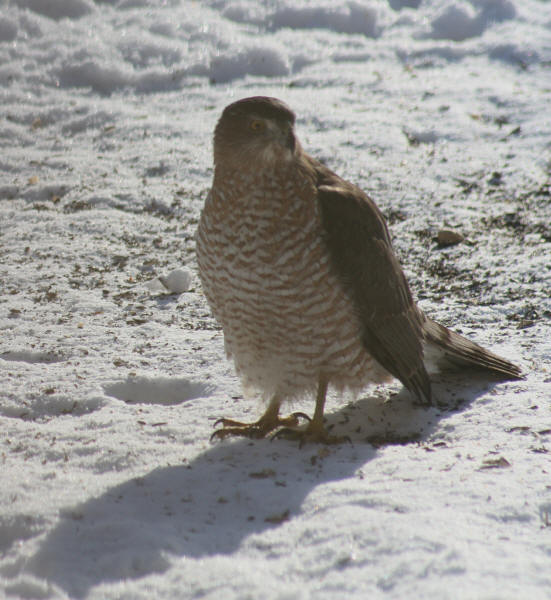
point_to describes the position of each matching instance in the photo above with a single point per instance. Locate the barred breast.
(267, 276)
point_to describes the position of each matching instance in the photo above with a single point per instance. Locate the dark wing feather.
(361, 253)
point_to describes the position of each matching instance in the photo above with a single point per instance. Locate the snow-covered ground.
(109, 486)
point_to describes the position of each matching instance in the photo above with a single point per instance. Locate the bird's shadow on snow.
(233, 490)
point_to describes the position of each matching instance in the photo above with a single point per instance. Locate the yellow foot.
(256, 430)
(313, 432)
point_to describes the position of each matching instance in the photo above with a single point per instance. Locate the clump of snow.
(400, 4)
(177, 281)
(8, 29)
(459, 21)
(102, 78)
(256, 60)
(112, 381)
(347, 17)
(58, 9)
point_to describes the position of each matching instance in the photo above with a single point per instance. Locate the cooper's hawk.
(298, 268)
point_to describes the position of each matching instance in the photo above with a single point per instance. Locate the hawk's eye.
(257, 125)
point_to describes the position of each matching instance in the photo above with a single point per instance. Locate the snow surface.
(109, 486)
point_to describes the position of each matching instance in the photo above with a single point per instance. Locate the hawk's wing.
(361, 252)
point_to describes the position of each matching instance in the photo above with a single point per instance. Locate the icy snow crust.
(111, 383)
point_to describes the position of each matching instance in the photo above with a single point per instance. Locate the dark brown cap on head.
(261, 106)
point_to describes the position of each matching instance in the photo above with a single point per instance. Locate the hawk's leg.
(315, 430)
(269, 421)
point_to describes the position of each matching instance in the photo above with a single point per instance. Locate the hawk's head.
(255, 131)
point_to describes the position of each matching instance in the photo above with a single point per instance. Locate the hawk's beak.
(285, 136)
(291, 140)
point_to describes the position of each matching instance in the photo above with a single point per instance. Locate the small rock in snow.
(446, 237)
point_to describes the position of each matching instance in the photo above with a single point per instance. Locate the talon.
(301, 415)
(219, 433)
(248, 431)
(231, 423)
(268, 422)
